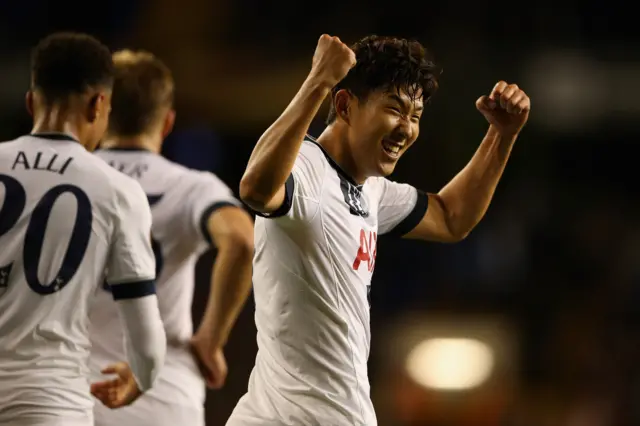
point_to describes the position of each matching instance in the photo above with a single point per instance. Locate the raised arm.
(461, 204)
(263, 184)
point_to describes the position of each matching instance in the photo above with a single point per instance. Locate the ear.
(29, 102)
(95, 107)
(342, 102)
(169, 121)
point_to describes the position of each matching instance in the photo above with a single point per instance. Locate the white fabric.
(181, 200)
(312, 273)
(44, 342)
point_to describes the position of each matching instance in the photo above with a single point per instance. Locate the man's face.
(382, 127)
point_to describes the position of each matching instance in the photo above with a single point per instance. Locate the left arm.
(214, 216)
(231, 231)
(462, 203)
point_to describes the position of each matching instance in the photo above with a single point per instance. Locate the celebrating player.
(191, 210)
(65, 218)
(324, 202)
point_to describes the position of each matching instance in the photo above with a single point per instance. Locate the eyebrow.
(403, 103)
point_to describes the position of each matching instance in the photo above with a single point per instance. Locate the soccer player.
(324, 202)
(66, 219)
(191, 211)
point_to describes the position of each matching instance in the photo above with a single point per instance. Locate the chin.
(385, 169)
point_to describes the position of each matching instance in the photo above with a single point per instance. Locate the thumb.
(485, 104)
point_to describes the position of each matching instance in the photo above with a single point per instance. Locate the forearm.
(145, 339)
(274, 155)
(467, 197)
(230, 286)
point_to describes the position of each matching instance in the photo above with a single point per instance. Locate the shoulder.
(311, 165)
(127, 192)
(311, 153)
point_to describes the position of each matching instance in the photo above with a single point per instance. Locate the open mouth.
(392, 148)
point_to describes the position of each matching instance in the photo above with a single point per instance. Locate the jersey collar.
(125, 148)
(333, 163)
(54, 136)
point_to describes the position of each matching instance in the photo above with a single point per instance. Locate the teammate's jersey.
(312, 274)
(181, 202)
(65, 218)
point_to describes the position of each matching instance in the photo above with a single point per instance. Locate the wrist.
(211, 339)
(315, 83)
(503, 133)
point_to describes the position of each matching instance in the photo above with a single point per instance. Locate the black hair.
(64, 64)
(388, 63)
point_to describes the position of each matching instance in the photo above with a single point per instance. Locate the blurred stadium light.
(453, 368)
(574, 91)
(450, 364)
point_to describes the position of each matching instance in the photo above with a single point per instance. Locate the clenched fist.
(332, 61)
(506, 108)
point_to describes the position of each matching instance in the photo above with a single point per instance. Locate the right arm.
(263, 184)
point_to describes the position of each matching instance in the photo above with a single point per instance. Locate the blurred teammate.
(65, 219)
(324, 204)
(191, 210)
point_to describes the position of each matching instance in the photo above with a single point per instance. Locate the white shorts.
(149, 412)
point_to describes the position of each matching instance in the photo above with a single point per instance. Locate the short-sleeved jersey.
(312, 273)
(181, 200)
(66, 220)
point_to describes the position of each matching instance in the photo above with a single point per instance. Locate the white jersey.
(312, 273)
(182, 200)
(65, 219)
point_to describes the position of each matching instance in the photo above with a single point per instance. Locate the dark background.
(549, 278)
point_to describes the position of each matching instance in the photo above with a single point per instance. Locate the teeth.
(392, 147)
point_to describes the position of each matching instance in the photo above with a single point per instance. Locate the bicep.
(434, 225)
(279, 204)
(231, 225)
(299, 197)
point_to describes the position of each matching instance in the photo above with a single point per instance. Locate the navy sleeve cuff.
(284, 208)
(133, 290)
(206, 214)
(413, 218)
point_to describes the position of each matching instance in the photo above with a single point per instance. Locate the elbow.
(240, 242)
(250, 193)
(458, 231)
(456, 224)
(458, 236)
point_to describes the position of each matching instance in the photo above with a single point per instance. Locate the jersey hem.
(285, 207)
(206, 214)
(133, 290)
(412, 220)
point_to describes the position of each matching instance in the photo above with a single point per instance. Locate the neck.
(56, 120)
(151, 143)
(335, 143)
